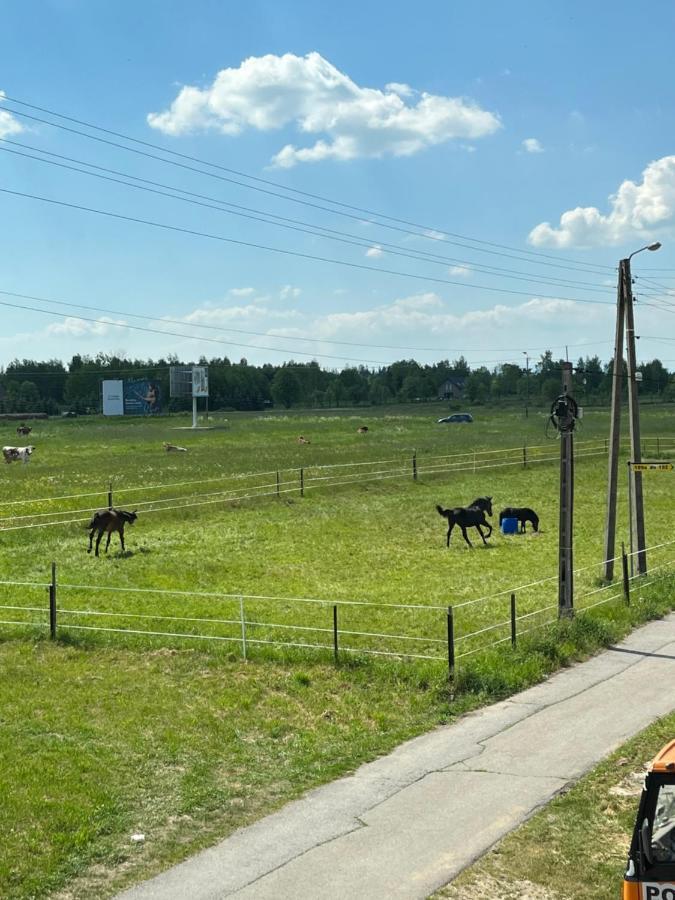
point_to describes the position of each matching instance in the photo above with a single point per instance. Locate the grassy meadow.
(108, 734)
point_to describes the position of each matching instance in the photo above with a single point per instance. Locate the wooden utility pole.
(565, 553)
(634, 415)
(614, 431)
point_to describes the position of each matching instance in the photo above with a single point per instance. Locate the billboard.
(142, 398)
(200, 381)
(113, 398)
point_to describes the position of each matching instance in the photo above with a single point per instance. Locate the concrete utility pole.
(614, 431)
(566, 418)
(624, 309)
(634, 415)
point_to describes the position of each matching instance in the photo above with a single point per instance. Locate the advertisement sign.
(141, 398)
(113, 398)
(200, 381)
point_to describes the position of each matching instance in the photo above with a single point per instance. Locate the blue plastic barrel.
(509, 526)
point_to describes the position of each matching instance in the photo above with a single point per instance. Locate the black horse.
(109, 520)
(472, 516)
(523, 514)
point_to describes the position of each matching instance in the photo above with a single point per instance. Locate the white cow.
(14, 454)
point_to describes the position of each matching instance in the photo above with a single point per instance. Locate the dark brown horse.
(472, 516)
(109, 520)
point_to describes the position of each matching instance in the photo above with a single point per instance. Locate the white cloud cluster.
(636, 210)
(271, 92)
(427, 314)
(73, 327)
(532, 145)
(8, 124)
(374, 251)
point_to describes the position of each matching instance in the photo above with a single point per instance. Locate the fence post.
(335, 632)
(513, 620)
(302, 482)
(524, 457)
(451, 643)
(242, 615)
(52, 604)
(110, 495)
(414, 462)
(278, 491)
(626, 579)
(605, 445)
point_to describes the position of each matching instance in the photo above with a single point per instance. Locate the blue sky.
(489, 121)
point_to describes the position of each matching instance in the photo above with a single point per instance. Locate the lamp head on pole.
(656, 245)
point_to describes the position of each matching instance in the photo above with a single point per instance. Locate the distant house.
(452, 389)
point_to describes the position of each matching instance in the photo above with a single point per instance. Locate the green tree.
(286, 387)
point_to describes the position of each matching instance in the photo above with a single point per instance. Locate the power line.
(285, 222)
(210, 327)
(295, 253)
(361, 210)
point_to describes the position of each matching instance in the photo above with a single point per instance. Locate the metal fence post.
(335, 632)
(451, 643)
(626, 579)
(302, 482)
(52, 604)
(242, 615)
(513, 620)
(110, 495)
(414, 462)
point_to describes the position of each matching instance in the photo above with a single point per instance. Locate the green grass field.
(106, 734)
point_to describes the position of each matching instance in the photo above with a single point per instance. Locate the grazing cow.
(363, 429)
(303, 440)
(107, 521)
(172, 448)
(523, 514)
(24, 430)
(14, 454)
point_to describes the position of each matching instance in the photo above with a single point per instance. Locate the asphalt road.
(404, 825)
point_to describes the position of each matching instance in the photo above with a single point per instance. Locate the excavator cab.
(650, 873)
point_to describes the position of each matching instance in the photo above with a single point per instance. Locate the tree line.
(53, 386)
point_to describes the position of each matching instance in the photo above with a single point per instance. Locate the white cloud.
(79, 328)
(532, 145)
(242, 292)
(374, 251)
(8, 124)
(636, 210)
(271, 92)
(253, 314)
(288, 292)
(460, 271)
(421, 316)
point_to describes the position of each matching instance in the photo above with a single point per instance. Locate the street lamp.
(655, 246)
(527, 383)
(624, 311)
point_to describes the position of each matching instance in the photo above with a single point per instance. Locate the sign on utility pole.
(564, 417)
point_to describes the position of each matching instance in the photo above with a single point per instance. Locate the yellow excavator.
(650, 873)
